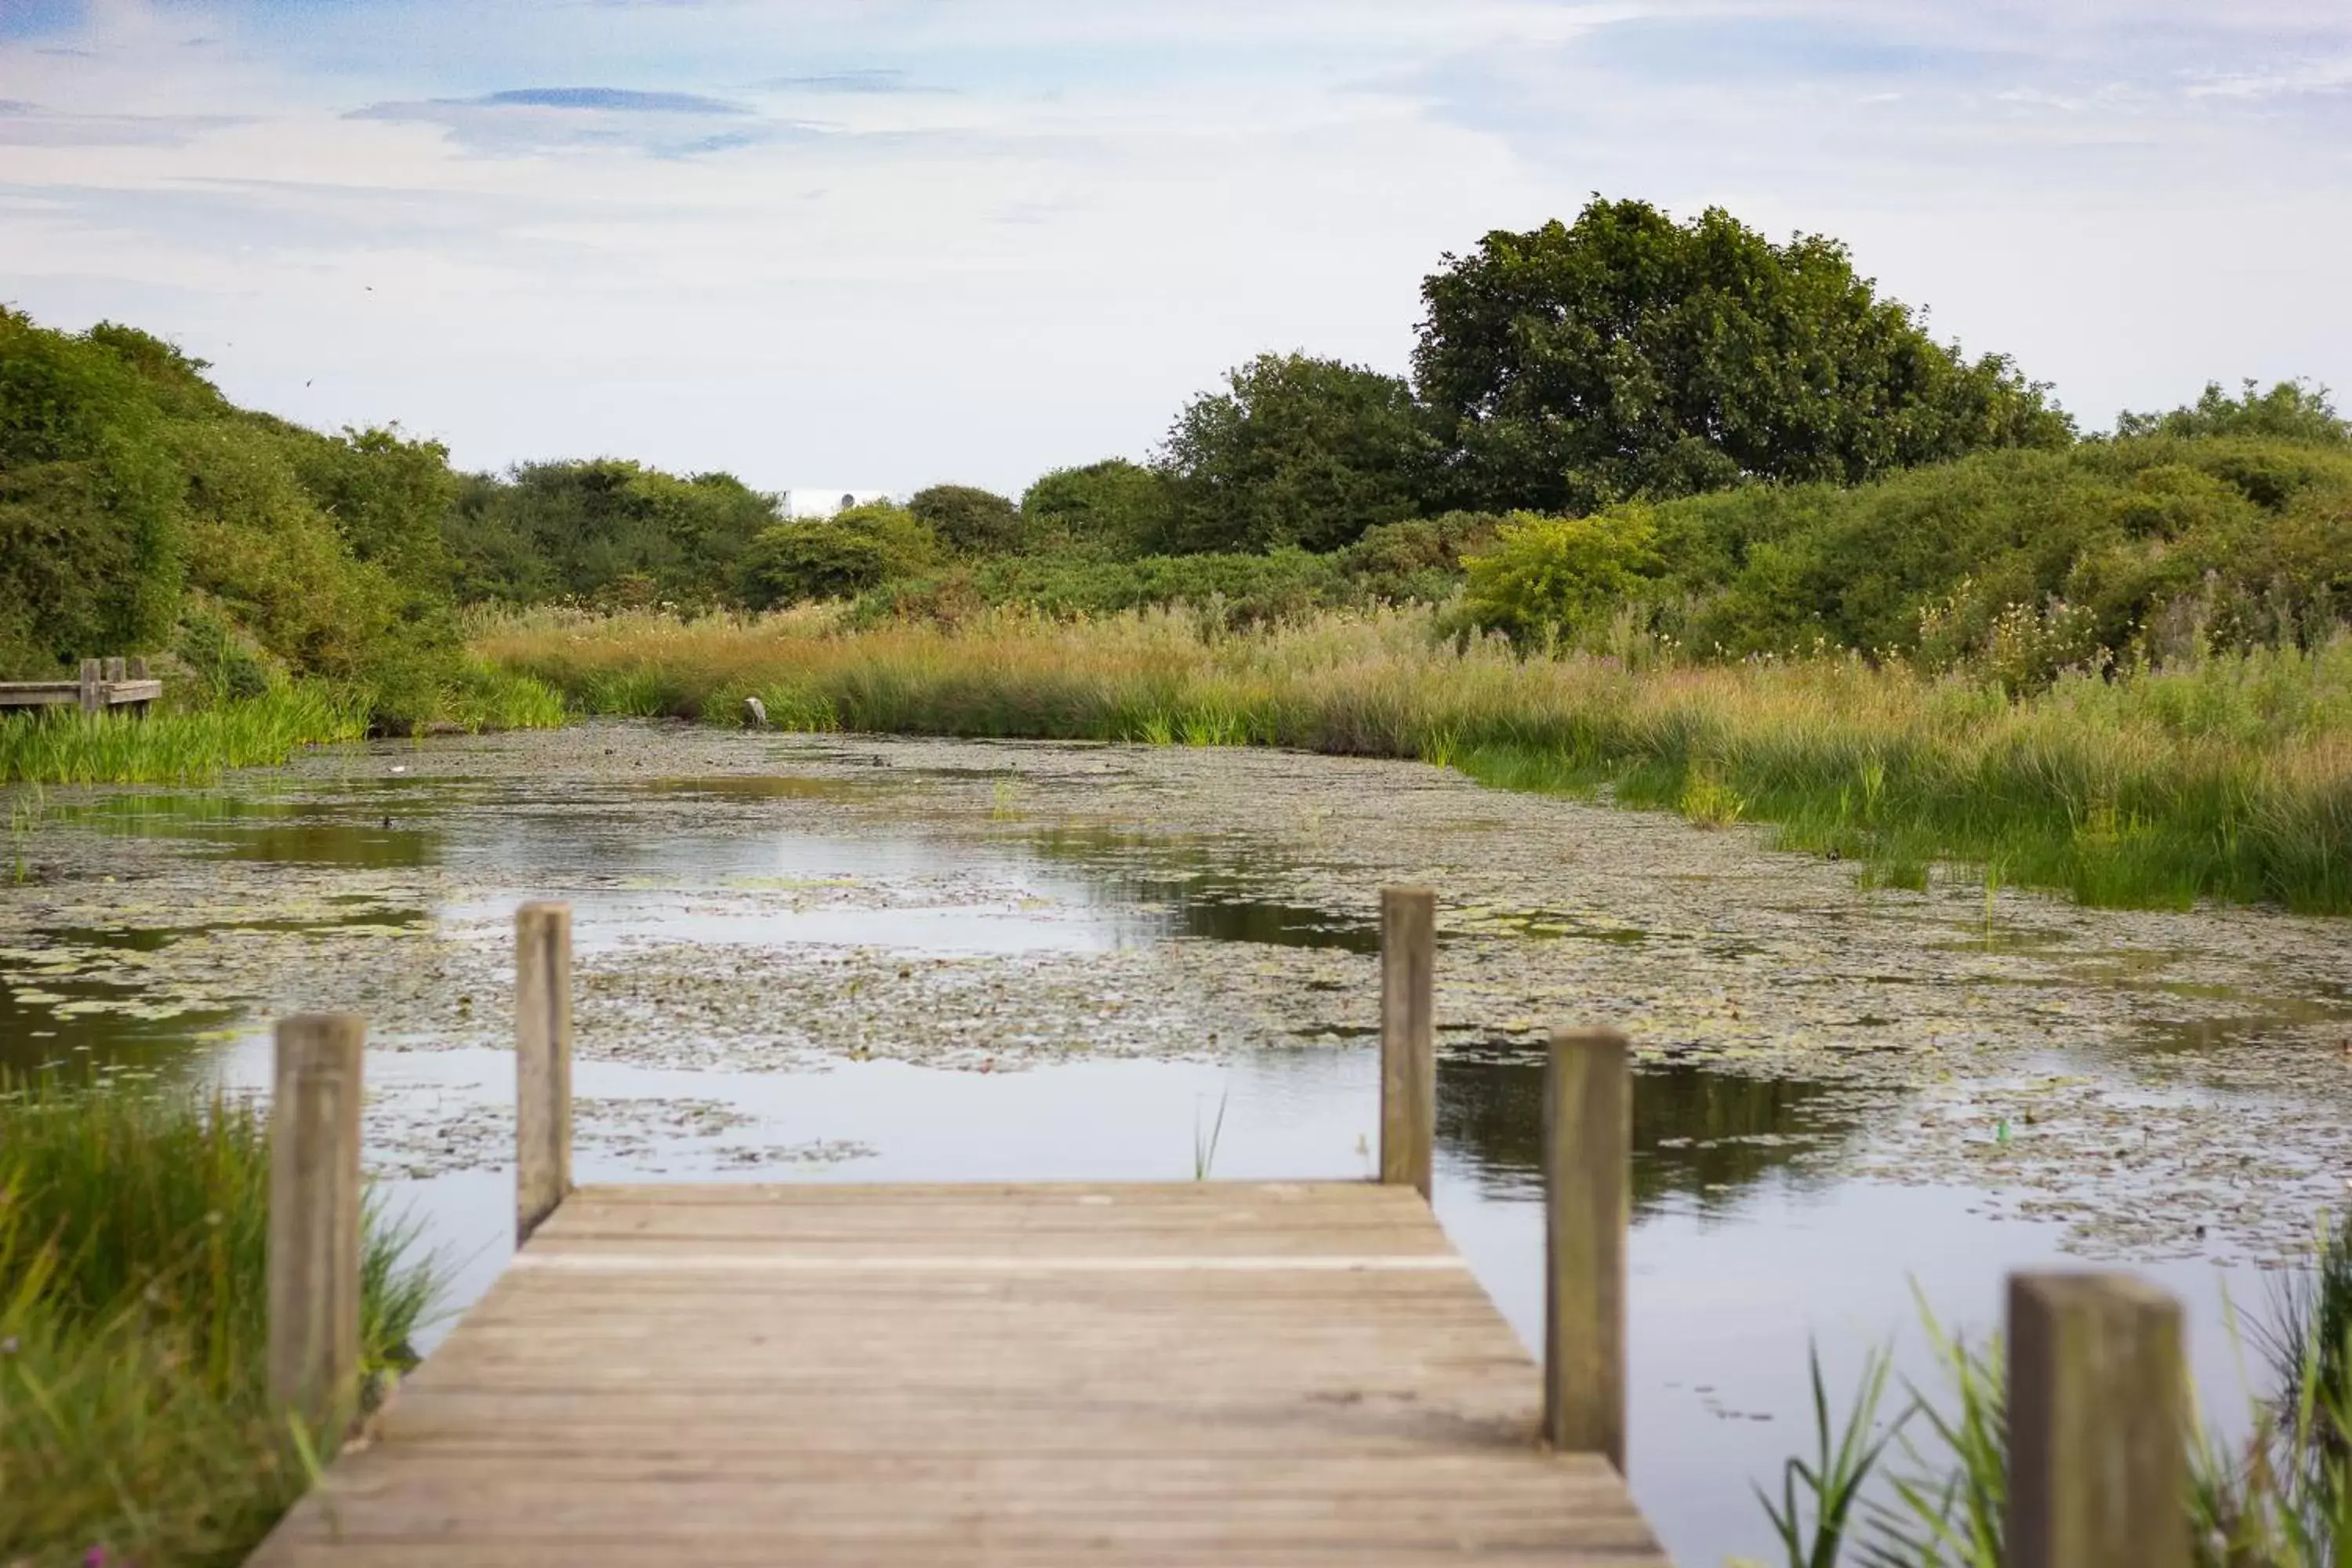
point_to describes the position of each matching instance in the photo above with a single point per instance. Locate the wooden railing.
(101, 684)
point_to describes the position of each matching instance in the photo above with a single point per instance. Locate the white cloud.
(890, 243)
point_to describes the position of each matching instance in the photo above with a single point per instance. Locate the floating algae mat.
(838, 958)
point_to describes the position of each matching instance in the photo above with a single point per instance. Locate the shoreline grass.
(1928, 1481)
(2226, 777)
(195, 742)
(134, 1427)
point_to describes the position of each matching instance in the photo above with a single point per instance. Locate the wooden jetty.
(1230, 1373)
(103, 684)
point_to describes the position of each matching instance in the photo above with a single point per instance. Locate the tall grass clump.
(175, 745)
(193, 739)
(134, 1425)
(2226, 775)
(2282, 1498)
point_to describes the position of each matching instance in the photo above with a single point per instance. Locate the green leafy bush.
(968, 520)
(578, 530)
(1296, 451)
(1113, 509)
(1547, 579)
(2288, 411)
(141, 511)
(1418, 559)
(857, 549)
(93, 552)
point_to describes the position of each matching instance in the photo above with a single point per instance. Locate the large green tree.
(1295, 451)
(1113, 509)
(1626, 354)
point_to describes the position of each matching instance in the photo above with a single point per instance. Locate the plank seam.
(978, 1263)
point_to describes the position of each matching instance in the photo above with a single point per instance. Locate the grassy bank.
(2227, 776)
(194, 740)
(133, 1427)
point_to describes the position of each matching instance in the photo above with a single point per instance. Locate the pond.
(836, 958)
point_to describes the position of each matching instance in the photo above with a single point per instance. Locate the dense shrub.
(1547, 579)
(968, 520)
(1418, 559)
(1295, 451)
(2031, 562)
(141, 512)
(857, 549)
(91, 547)
(577, 530)
(1113, 509)
(2289, 411)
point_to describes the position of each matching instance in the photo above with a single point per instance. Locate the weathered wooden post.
(1588, 1199)
(92, 698)
(543, 1063)
(139, 667)
(114, 671)
(313, 1353)
(2098, 1468)
(1408, 1036)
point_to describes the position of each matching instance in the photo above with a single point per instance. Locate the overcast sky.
(826, 243)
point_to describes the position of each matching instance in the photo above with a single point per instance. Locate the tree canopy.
(968, 520)
(1626, 354)
(1295, 451)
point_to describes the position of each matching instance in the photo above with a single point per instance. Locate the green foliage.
(60, 745)
(594, 530)
(968, 520)
(857, 549)
(1820, 1502)
(1547, 579)
(1296, 452)
(134, 1419)
(1418, 559)
(2285, 1500)
(2289, 411)
(140, 511)
(1627, 355)
(2019, 562)
(91, 550)
(1113, 509)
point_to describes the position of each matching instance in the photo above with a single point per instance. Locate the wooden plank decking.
(1196, 1372)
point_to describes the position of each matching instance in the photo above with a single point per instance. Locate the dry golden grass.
(2230, 777)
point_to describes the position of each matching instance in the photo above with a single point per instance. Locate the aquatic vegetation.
(2227, 775)
(132, 1236)
(175, 745)
(197, 740)
(2283, 1500)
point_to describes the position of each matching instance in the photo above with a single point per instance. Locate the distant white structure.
(815, 502)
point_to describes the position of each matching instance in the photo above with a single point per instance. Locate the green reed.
(133, 1422)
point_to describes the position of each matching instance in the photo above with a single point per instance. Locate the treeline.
(141, 512)
(1619, 427)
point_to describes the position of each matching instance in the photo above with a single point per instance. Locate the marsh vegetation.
(133, 1424)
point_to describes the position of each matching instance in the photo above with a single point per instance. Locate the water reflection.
(1195, 882)
(1700, 1136)
(361, 834)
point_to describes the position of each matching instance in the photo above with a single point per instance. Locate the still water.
(1762, 1223)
